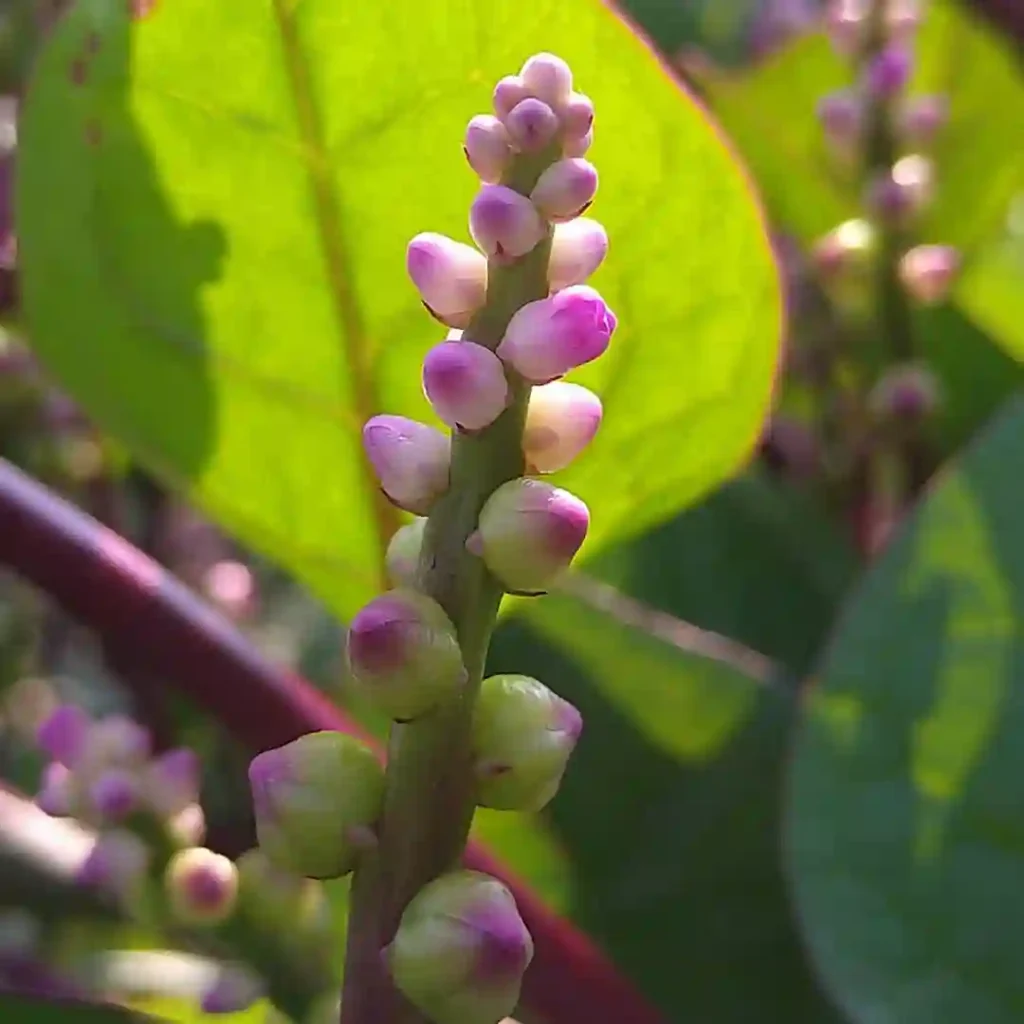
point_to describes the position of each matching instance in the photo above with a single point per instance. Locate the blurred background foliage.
(690, 636)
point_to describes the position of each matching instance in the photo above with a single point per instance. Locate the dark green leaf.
(38, 1010)
(667, 820)
(905, 842)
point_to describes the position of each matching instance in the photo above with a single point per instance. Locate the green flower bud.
(404, 655)
(316, 800)
(403, 554)
(202, 886)
(523, 734)
(461, 950)
(276, 899)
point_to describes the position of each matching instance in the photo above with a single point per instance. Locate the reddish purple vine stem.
(140, 608)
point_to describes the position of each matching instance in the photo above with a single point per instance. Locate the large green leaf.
(757, 561)
(214, 206)
(905, 842)
(666, 826)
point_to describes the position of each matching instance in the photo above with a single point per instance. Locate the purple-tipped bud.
(888, 72)
(578, 145)
(201, 886)
(313, 799)
(235, 989)
(928, 272)
(902, 19)
(578, 248)
(565, 189)
(451, 277)
(172, 781)
(577, 116)
(188, 826)
(548, 78)
(487, 147)
(846, 25)
(505, 224)
(790, 448)
(508, 93)
(905, 395)
(403, 654)
(841, 115)
(528, 533)
(403, 555)
(465, 384)
(412, 461)
(114, 795)
(561, 420)
(903, 193)
(922, 118)
(845, 250)
(55, 790)
(116, 864)
(531, 125)
(461, 950)
(523, 735)
(548, 338)
(64, 734)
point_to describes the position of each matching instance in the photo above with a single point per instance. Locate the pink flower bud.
(64, 734)
(508, 93)
(531, 124)
(565, 189)
(846, 25)
(888, 72)
(576, 115)
(402, 559)
(201, 886)
(116, 864)
(844, 250)
(231, 586)
(188, 826)
(905, 395)
(116, 741)
(928, 271)
(548, 78)
(528, 533)
(404, 655)
(903, 193)
(461, 950)
(313, 799)
(841, 114)
(561, 420)
(503, 223)
(902, 19)
(523, 735)
(412, 461)
(114, 795)
(547, 338)
(921, 119)
(450, 277)
(235, 989)
(465, 384)
(487, 147)
(55, 790)
(578, 248)
(578, 145)
(171, 781)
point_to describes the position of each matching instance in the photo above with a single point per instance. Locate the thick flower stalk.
(874, 266)
(426, 942)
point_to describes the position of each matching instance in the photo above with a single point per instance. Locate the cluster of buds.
(461, 948)
(104, 773)
(879, 35)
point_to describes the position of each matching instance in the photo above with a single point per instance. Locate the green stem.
(429, 799)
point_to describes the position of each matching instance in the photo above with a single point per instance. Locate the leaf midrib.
(330, 226)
